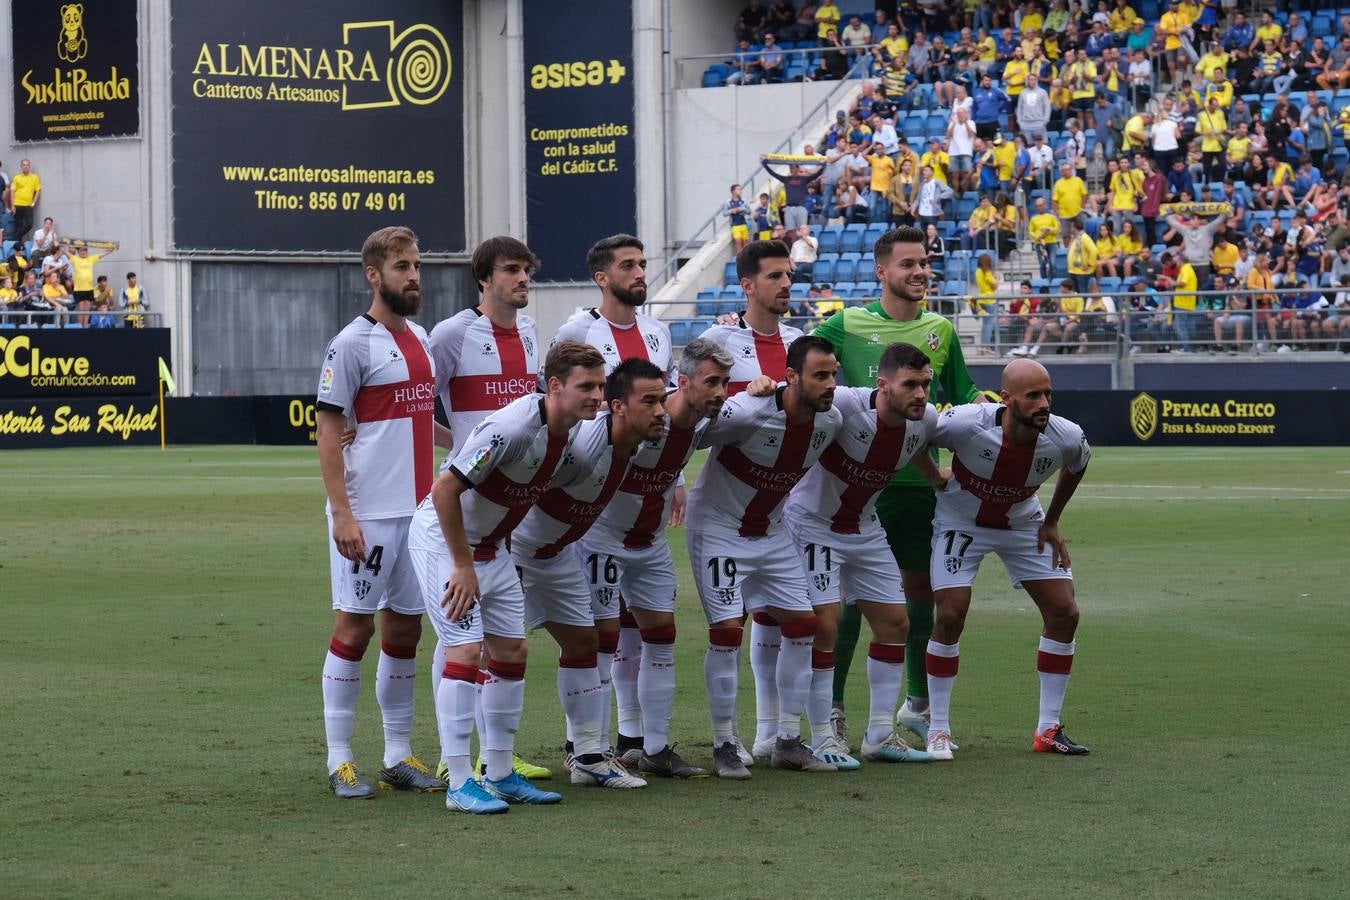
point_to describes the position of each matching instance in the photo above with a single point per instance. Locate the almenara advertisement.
(75, 69)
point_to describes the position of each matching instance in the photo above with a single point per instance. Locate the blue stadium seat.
(680, 331)
(708, 308)
(915, 124)
(946, 228)
(846, 269)
(8, 249)
(830, 238)
(732, 292)
(9, 326)
(28, 249)
(74, 325)
(872, 235)
(715, 75)
(853, 237)
(708, 293)
(868, 289)
(958, 263)
(729, 273)
(1110, 284)
(801, 290)
(844, 288)
(46, 325)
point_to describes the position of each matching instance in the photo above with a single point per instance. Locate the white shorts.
(861, 565)
(555, 589)
(958, 551)
(645, 578)
(385, 580)
(735, 574)
(434, 568)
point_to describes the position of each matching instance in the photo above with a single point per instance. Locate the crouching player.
(833, 519)
(1003, 453)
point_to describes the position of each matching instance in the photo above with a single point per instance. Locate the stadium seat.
(844, 288)
(830, 238)
(868, 289)
(679, 332)
(27, 250)
(823, 270)
(1110, 284)
(872, 235)
(10, 326)
(801, 291)
(729, 273)
(707, 308)
(847, 268)
(715, 76)
(74, 325)
(853, 237)
(946, 229)
(8, 248)
(732, 292)
(915, 125)
(47, 325)
(708, 293)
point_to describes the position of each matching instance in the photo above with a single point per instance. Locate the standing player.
(831, 514)
(485, 358)
(376, 375)
(627, 552)
(558, 595)
(905, 507)
(618, 265)
(757, 340)
(500, 470)
(1003, 453)
(742, 555)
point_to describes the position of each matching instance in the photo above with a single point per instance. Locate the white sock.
(821, 699)
(395, 684)
(793, 675)
(456, 698)
(722, 672)
(502, 705)
(604, 667)
(341, 690)
(627, 662)
(656, 690)
(478, 707)
(437, 673)
(765, 643)
(944, 660)
(582, 702)
(1053, 662)
(885, 675)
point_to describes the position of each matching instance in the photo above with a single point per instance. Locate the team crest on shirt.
(911, 443)
(933, 340)
(529, 344)
(326, 382)
(361, 588)
(821, 580)
(604, 596)
(1042, 463)
(818, 438)
(953, 564)
(653, 342)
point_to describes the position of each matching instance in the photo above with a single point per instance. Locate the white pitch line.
(1199, 499)
(1217, 487)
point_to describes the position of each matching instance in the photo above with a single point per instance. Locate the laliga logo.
(419, 67)
(71, 46)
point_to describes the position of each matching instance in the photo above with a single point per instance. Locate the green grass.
(167, 614)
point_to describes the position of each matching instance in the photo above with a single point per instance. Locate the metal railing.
(71, 318)
(689, 69)
(709, 228)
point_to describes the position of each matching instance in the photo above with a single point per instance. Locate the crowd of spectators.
(47, 281)
(1066, 129)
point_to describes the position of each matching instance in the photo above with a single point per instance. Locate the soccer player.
(626, 551)
(558, 595)
(378, 376)
(1003, 453)
(485, 358)
(831, 514)
(499, 471)
(742, 555)
(618, 265)
(757, 340)
(860, 334)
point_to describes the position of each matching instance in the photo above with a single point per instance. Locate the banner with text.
(1210, 418)
(308, 130)
(75, 69)
(580, 155)
(78, 422)
(51, 363)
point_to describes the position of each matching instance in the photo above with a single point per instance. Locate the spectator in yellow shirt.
(21, 197)
(1212, 127)
(1108, 251)
(1082, 258)
(83, 263)
(1044, 231)
(1215, 58)
(983, 303)
(1269, 30)
(1067, 197)
(8, 296)
(1123, 17)
(1130, 243)
(1224, 257)
(828, 17)
(1239, 148)
(1170, 28)
(1184, 303)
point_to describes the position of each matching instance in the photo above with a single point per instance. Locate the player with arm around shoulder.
(1002, 455)
(377, 376)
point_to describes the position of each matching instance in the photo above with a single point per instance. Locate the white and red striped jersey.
(994, 482)
(481, 367)
(508, 460)
(647, 338)
(384, 383)
(755, 354)
(840, 492)
(585, 481)
(636, 517)
(757, 458)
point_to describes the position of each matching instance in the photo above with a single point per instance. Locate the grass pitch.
(167, 614)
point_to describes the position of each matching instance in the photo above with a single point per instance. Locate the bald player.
(1002, 454)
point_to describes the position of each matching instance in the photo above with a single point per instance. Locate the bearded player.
(618, 266)
(1002, 454)
(485, 358)
(832, 516)
(905, 508)
(377, 378)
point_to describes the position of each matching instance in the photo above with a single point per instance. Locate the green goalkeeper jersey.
(861, 333)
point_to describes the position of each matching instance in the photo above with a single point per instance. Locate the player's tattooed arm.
(1049, 533)
(462, 591)
(351, 543)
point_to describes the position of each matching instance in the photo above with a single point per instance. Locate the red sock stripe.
(460, 672)
(665, 634)
(889, 653)
(578, 662)
(1053, 663)
(822, 659)
(799, 628)
(762, 618)
(508, 670)
(609, 642)
(397, 652)
(942, 666)
(725, 636)
(626, 619)
(342, 651)
(482, 677)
